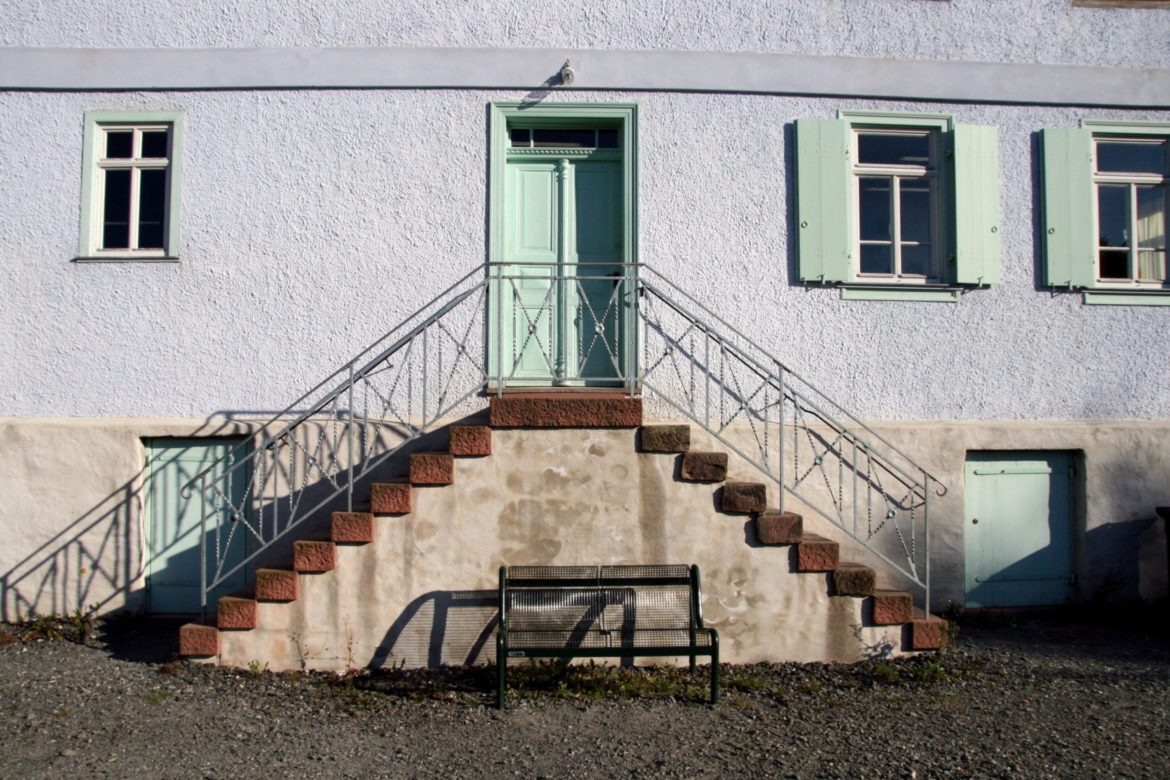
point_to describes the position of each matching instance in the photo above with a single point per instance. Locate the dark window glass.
(154, 144)
(916, 260)
(152, 201)
(607, 139)
(521, 137)
(1122, 157)
(575, 139)
(116, 211)
(875, 208)
(1111, 215)
(120, 144)
(1114, 264)
(876, 259)
(915, 210)
(885, 149)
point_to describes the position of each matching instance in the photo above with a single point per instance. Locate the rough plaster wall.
(1048, 31)
(313, 222)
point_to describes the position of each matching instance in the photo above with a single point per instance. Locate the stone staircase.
(314, 577)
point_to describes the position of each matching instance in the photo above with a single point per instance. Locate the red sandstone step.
(704, 466)
(665, 438)
(892, 607)
(470, 440)
(314, 557)
(929, 633)
(565, 410)
(277, 585)
(432, 468)
(391, 498)
(853, 579)
(198, 641)
(743, 497)
(776, 527)
(816, 553)
(236, 614)
(352, 527)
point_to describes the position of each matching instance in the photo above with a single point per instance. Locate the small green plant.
(256, 669)
(885, 672)
(157, 697)
(744, 683)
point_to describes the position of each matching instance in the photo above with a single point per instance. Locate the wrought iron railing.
(614, 325)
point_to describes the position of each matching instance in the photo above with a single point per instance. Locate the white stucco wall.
(1047, 31)
(313, 221)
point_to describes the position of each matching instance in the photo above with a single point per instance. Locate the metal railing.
(585, 325)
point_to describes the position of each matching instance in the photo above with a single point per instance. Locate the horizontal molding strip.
(514, 68)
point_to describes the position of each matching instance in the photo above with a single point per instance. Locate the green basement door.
(1018, 532)
(172, 526)
(560, 225)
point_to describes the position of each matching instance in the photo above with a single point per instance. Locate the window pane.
(1114, 264)
(915, 210)
(1131, 157)
(1151, 216)
(1152, 266)
(874, 207)
(152, 202)
(521, 137)
(886, 149)
(1111, 215)
(876, 259)
(607, 139)
(578, 139)
(116, 211)
(916, 260)
(154, 144)
(120, 144)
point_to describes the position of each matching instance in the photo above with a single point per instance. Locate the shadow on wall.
(94, 554)
(97, 561)
(442, 628)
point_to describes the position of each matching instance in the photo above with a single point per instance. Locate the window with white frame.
(897, 206)
(1130, 175)
(1106, 188)
(896, 183)
(131, 177)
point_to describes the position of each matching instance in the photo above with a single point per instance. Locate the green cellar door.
(172, 524)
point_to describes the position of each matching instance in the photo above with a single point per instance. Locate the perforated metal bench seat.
(603, 611)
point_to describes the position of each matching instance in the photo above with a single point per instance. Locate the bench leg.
(501, 671)
(714, 669)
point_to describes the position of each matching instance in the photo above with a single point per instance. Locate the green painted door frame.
(1018, 528)
(536, 217)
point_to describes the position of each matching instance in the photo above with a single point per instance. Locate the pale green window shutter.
(823, 201)
(1070, 254)
(976, 189)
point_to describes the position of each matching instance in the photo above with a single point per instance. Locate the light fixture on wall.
(567, 74)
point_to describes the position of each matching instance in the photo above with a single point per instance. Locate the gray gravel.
(1035, 697)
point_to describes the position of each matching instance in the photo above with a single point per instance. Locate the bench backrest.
(599, 598)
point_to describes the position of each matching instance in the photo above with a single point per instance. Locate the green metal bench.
(602, 612)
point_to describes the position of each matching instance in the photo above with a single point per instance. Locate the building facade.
(947, 215)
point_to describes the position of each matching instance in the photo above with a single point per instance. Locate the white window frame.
(895, 174)
(94, 168)
(1132, 180)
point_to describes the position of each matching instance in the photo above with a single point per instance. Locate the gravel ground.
(1022, 697)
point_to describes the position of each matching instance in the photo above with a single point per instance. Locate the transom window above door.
(563, 138)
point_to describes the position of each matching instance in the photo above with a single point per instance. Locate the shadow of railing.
(441, 628)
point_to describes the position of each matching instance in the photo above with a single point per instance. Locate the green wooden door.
(1018, 528)
(172, 524)
(562, 298)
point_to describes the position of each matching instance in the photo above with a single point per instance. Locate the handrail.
(586, 327)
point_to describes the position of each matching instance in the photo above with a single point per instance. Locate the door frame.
(504, 115)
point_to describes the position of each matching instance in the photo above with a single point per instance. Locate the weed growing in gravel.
(256, 669)
(593, 681)
(76, 627)
(157, 697)
(735, 680)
